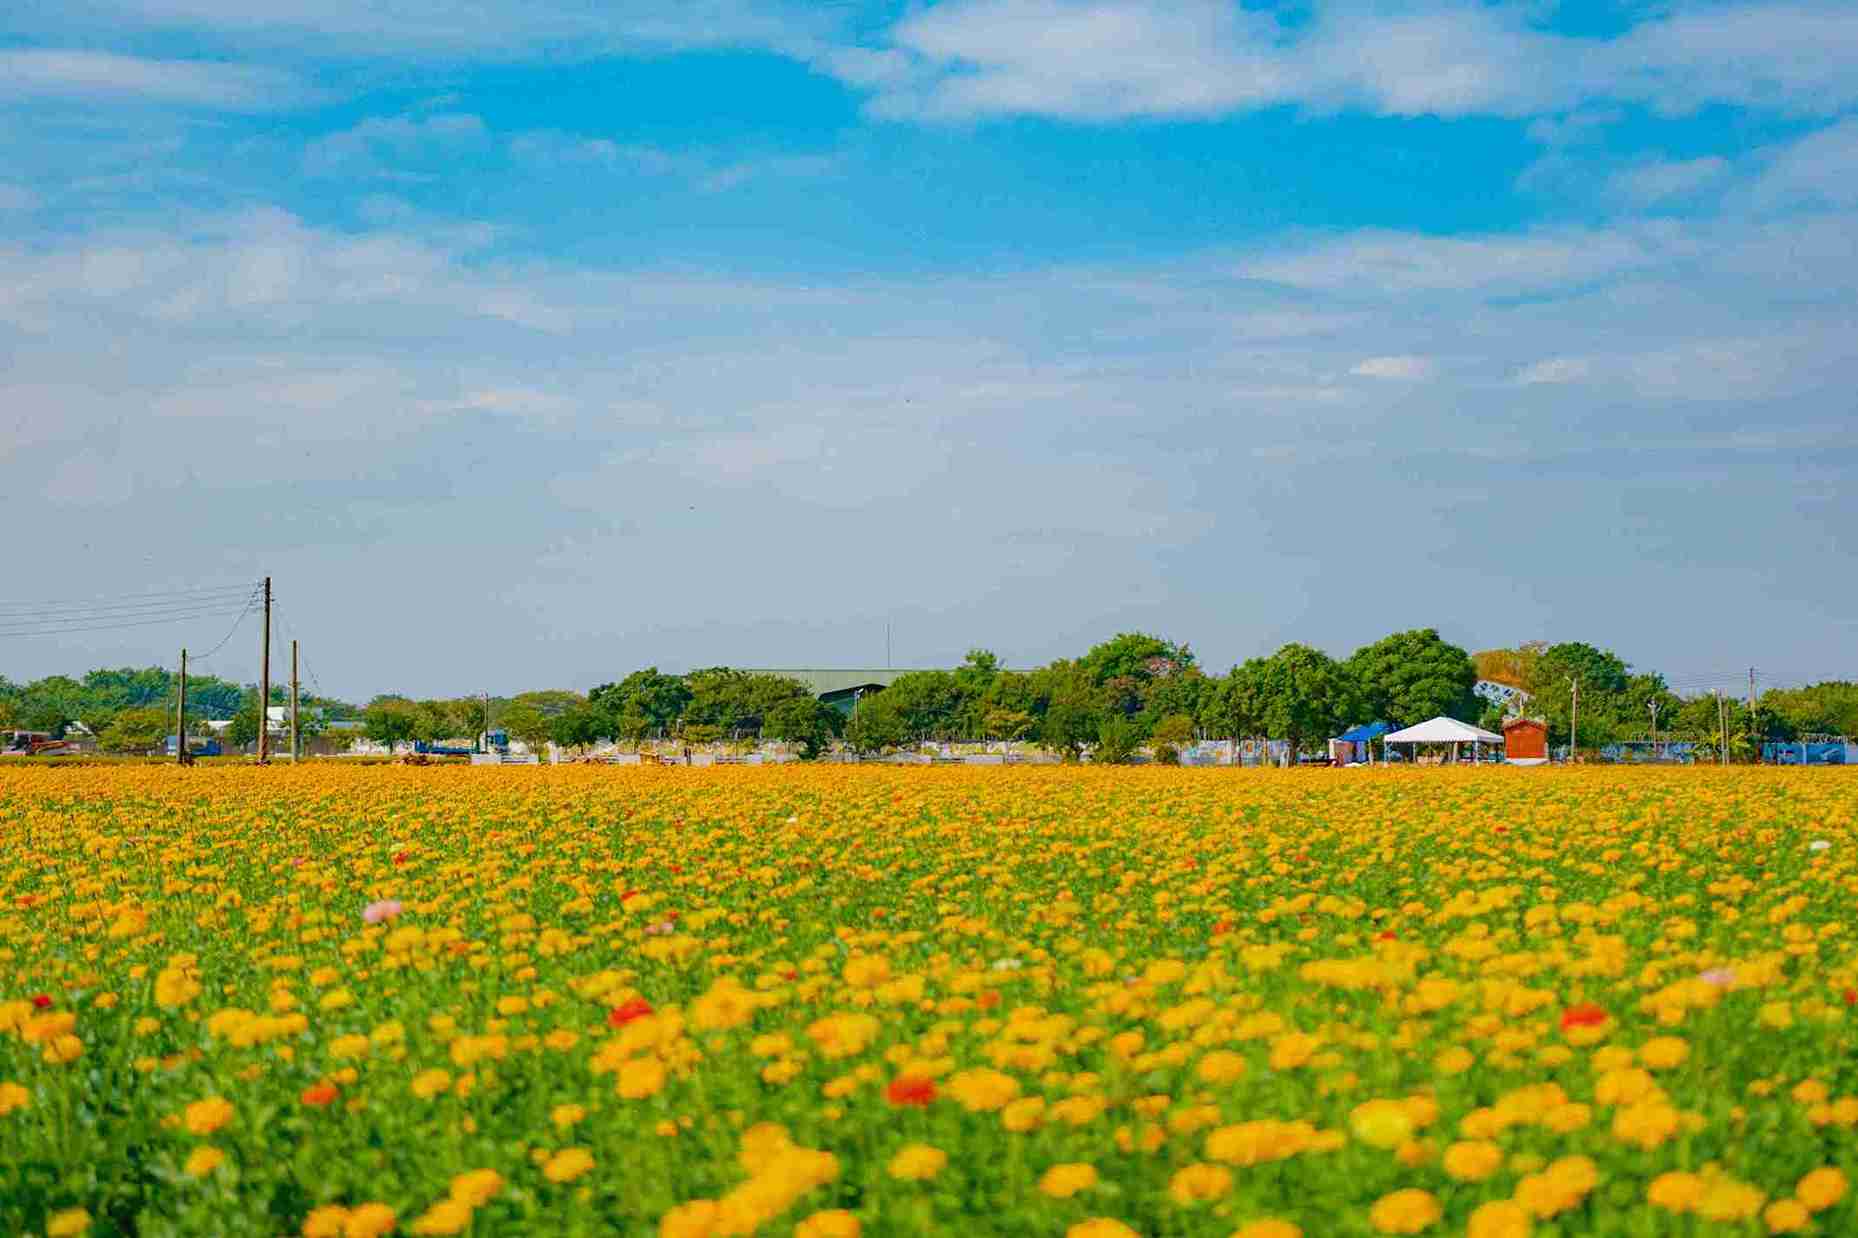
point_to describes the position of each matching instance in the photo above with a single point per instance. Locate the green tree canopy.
(1412, 676)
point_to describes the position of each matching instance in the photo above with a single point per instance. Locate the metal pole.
(1754, 740)
(1574, 723)
(1654, 707)
(180, 716)
(294, 752)
(264, 686)
(1722, 730)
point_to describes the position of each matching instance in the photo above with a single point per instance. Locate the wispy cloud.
(706, 170)
(379, 143)
(1098, 60)
(1663, 181)
(50, 73)
(1553, 370)
(1402, 369)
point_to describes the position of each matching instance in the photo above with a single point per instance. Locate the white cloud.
(1819, 169)
(382, 142)
(1380, 261)
(50, 73)
(1649, 184)
(1098, 60)
(1554, 370)
(1403, 369)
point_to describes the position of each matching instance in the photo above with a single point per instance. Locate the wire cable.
(59, 629)
(250, 602)
(105, 607)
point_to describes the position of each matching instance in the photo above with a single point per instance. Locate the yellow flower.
(1024, 1114)
(696, 1219)
(67, 1224)
(1454, 1061)
(1675, 1191)
(979, 1090)
(1787, 1216)
(1198, 1183)
(1500, 1218)
(567, 1164)
(325, 1222)
(369, 1221)
(1268, 1227)
(1100, 1227)
(1664, 1052)
(917, 1162)
(477, 1187)
(1064, 1181)
(1405, 1212)
(1821, 1189)
(641, 1077)
(833, 1223)
(564, 1116)
(203, 1161)
(448, 1216)
(203, 1117)
(430, 1083)
(1381, 1123)
(1473, 1160)
(13, 1096)
(1220, 1066)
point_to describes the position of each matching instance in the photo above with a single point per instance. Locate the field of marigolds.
(840, 1001)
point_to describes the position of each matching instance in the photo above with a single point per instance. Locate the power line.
(249, 603)
(106, 607)
(58, 629)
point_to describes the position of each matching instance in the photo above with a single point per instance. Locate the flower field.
(832, 1001)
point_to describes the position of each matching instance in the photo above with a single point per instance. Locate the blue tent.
(1358, 741)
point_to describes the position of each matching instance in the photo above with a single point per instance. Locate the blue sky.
(528, 343)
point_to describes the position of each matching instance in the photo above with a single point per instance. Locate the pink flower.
(1720, 976)
(386, 909)
(660, 929)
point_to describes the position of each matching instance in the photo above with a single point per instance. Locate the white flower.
(1007, 964)
(1818, 844)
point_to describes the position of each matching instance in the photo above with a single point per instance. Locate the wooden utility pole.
(264, 686)
(294, 751)
(1574, 723)
(1754, 739)
(180, 716)
(1654, 707)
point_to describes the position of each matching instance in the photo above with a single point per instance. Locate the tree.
(1412, 676)
(1073, 713)
(1603, 677)
(1117, 741)
(575, 728)
(135, 730)
(876, 725)
(527, 723)
(244, 728)
(1514, 668)
(389, 720)
(1007, 724)
(1298, 693)
(1136, 655)
(657, 699)
(807, 721)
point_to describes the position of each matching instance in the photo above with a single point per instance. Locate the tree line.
(1131, 691)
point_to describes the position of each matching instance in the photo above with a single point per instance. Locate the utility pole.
(264, 686)
(180, 716)
(486, 744)
(1754, 739)
(1722, 729)
(886, 646)
(1574, 723)
(1654, 708)
(294, 754)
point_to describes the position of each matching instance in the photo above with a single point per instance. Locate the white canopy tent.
(1443, 730)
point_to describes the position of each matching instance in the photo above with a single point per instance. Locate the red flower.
(1586, 1014)
(401, 857)
(790, 974)
(1385, 935)
(318, 1094)
(1851, 997)
(1221, 928)
(41, 1000)
(988, 1000)
(910, 1090)
(628, 1010)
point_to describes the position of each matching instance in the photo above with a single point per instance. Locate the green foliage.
(1412, 676)
(1298, 693)
(1174, 730)
(1117, 741)
(526, 722)
(136, 730)
(389, 720)
(804, 721)
(876, 725)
